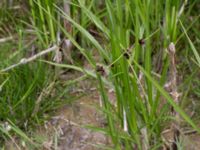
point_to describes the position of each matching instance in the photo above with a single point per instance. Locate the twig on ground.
(24, 61)
(3, 40)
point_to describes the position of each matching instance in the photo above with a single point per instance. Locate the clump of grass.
(18, 94)
(134, 36)
(22, 86)
(130, 29)
(43, 24)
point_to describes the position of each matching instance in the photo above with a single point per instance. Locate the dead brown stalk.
(171, 87)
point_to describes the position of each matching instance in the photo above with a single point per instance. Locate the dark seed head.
(142, 42)
(100, 69)
(106, 62)
(126, 55)
(140, 63)
(60, 49)
(161, 22)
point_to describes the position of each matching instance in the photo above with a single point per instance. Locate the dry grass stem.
(30, 59)
(172, 89)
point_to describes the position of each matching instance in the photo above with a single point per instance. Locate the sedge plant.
(130, 29)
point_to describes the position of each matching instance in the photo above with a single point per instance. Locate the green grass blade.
(196, 54)
(169, 99)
